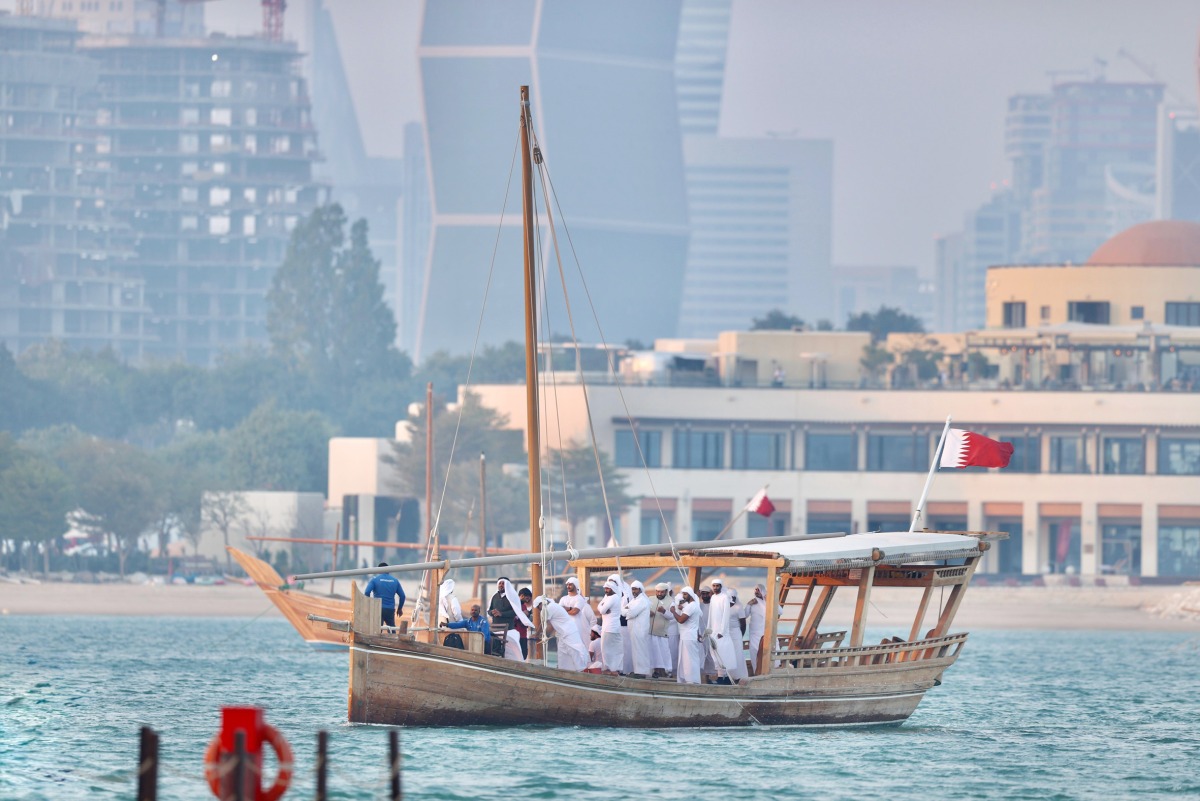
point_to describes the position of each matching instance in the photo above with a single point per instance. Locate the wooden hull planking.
(400, 682)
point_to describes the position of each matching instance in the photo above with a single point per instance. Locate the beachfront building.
(1093, 394)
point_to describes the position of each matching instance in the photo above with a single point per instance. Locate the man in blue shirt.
(386, 587)
(476, 622)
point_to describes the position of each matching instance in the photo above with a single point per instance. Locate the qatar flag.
(761, 504)
(968, 449)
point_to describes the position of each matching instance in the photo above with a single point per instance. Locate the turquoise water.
(1023, 715)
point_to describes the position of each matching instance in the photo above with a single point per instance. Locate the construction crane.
(1149, 71)
(273, 19)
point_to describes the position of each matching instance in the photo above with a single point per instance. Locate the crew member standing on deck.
(523, 624)
(691, 651)
(611, 646)
(757, 622)
(386, 588)
(736, 630)
(637, 611)
(500, 610)
(661, 621)
(718, 625)
(571, 653)
(708, 667)
(579, 609)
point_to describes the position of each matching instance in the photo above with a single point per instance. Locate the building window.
(1179, 550)
(1137, 313)
(1014, 314)
(1045, 314)
(1066, 455)
(1124, 455)
(831, 452)
(828, 525)
(1183, 314)
(221, 116)
(897, 452)
(777, 525)
(758, 451)
(1178, 457)
(704, 450)
(653, 530)
(627, 450)
(707, 525)
(1121, 549)
(1089, 311)
(1064, 546)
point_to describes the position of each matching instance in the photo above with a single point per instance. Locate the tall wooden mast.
(531, 387)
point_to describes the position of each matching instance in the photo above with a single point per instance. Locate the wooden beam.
(808, 593)
(956, 596)
(365, 613)
(860, 607)
(924, 606)
(818, 612)
(763, 658)
(694, 579)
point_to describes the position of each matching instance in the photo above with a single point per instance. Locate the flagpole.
(937, 455)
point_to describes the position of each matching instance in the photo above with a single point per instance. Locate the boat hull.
(296, 606)
(399, 682)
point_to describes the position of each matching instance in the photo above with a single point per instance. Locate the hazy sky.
(912, 93)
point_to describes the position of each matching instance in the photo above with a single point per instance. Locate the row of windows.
(910, 452)
(1097, 312)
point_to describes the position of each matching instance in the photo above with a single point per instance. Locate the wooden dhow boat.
(297, 605)
(807, 675)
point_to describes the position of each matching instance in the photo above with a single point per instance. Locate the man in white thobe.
(451, 608)
(571, 653)
(708, 668)
(736, 625)
(661, 620)
(611, 645)
(578, 607)
(595, 656)
(719, 641)
(691, 651)
(756, 623)
(637, 614)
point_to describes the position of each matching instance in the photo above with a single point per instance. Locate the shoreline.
(984, 608)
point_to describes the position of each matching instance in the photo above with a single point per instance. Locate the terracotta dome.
(1161, 243)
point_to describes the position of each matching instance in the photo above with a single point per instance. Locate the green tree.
(277, 449)
(325, 311)
(776, 320)
(35, 497)
(571, 476)
(874, 361)
(91, 389)
(886, 320)
(116, 487)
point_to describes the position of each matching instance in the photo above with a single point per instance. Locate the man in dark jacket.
(500, 609)
(386, 587)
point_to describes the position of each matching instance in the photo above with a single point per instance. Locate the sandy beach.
(1051, 608)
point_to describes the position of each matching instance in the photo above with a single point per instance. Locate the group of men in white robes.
(690, 636)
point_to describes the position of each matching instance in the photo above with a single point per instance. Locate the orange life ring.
(283, 753)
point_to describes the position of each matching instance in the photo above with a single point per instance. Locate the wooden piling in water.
(394, 764)
(322, 764)
(148, 765)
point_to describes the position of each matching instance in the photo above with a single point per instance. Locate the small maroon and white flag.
(761, 504)
(968, 449)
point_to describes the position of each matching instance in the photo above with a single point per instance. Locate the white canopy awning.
(897, 546)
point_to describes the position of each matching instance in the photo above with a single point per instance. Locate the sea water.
(1022, 715)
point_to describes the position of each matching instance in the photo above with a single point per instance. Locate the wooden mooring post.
(148, 765)
(322, 764)
(394, 764)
